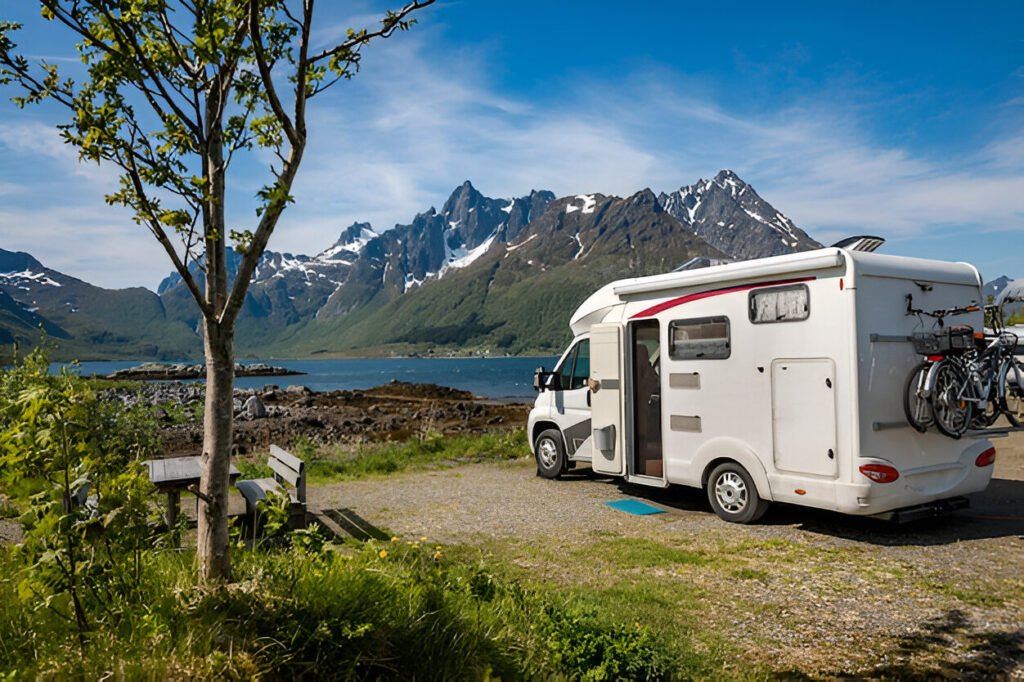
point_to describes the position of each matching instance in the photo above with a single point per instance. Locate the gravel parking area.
(803, 591)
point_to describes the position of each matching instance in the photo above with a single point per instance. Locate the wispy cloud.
(421, 118)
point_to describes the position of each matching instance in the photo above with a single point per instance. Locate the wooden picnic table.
(175, 474)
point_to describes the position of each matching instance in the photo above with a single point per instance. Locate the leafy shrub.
(392, 610)
(77, 458)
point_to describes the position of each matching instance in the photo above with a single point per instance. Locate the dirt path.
(805, 590)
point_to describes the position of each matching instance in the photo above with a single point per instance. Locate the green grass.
(336, 463)
(976, 596)
(641, 553)
(384, 610)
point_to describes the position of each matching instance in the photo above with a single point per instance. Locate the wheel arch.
(721, 450)
(541, 426)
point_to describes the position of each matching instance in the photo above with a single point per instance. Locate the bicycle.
(930, 392)
(967, 380)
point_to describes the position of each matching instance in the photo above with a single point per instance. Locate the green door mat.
(635, 507)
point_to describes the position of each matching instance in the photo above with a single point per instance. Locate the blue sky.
(899, 119)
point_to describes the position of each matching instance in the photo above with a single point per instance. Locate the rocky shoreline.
(283, 415)
(159, 371)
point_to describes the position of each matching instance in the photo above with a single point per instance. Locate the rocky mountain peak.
(18, 261)
(351, 241)
(730, 215)
(647, 199)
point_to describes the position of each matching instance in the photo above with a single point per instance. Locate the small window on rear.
(791, 303)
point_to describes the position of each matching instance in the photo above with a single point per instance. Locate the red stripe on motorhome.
(689, 298)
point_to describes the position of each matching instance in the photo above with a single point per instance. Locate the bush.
(395, 610)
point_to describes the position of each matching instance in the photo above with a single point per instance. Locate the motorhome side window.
(790, 303)
(701, 338)
(576, 369)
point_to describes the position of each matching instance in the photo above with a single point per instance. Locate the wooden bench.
(289, 478)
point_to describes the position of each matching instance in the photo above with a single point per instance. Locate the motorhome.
(773, 380)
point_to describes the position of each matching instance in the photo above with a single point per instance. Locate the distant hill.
(84, 321)
(481, 274)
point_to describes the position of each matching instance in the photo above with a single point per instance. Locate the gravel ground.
(822, 594)
(803, 592)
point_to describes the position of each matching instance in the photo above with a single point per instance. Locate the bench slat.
(288, 458)
(284, 471)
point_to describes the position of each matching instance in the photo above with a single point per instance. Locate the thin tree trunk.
(214, 559)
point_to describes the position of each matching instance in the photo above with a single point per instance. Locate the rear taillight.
(986, 458)
(880, 473)
(934, 358)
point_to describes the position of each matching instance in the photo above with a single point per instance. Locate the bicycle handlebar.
(940, 313)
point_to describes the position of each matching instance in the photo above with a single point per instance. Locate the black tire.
(1011, 392)
(733, 495)
(549, 450)
(916, 407)
(952, 411)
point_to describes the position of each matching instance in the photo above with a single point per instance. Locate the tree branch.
(161, 236)
(393, 21)
(266, 76)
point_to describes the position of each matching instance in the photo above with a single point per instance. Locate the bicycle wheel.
(915, 404)
(1011, 391)
(949, 401)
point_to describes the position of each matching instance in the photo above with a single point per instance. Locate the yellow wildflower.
(382, 554)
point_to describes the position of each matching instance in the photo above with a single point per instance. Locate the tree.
(175, 90)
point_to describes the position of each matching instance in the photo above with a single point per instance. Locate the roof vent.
(859, 243)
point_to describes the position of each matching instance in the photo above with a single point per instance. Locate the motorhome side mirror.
(544, 380)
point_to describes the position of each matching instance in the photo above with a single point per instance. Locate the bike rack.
(990, 432)
(885, 426)
(993, 432)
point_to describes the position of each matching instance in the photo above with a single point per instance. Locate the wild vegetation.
(96, 589)
(170, 95)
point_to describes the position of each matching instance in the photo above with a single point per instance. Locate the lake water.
(499, 378)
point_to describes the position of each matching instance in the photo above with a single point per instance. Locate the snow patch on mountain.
(589, 202)
(351, 246)
(461, 257)
(18, 279)
(521, 244)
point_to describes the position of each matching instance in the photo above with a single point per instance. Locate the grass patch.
(968, 595)
(641, 553)
(750, 574)
(381, 611)
(334, 463)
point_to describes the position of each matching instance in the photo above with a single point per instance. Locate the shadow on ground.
(997, 512)
(345, 523)
(948, 647)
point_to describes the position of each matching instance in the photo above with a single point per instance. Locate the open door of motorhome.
(606, 414)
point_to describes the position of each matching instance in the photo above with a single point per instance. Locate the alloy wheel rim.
(548, 453)
(731, 492)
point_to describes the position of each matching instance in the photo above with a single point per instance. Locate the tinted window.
(702, 338)
(575, 371)
(780, 304)
(565, 372)
(582, 371)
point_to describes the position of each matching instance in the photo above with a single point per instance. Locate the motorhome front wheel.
(550, 454)
(733, 494)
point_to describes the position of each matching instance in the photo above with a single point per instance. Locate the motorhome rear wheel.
(733, 495)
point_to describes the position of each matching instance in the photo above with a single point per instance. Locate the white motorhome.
(773, 380)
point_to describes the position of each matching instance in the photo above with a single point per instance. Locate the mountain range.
(480, 275)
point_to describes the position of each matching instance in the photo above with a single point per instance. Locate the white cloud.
(423, 116)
